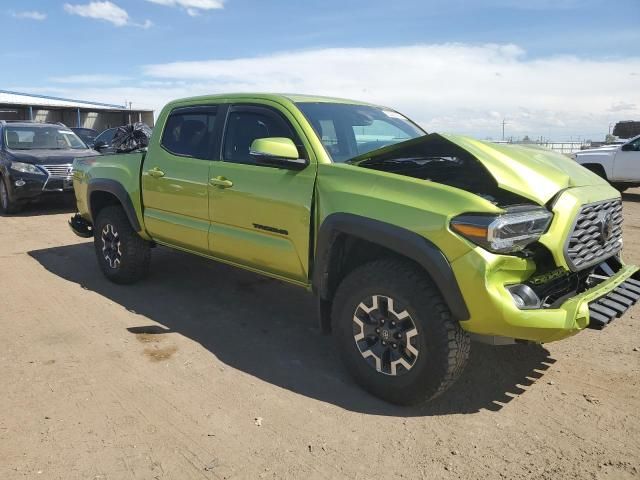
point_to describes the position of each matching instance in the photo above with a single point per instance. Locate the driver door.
(260, 215)
(626, 165)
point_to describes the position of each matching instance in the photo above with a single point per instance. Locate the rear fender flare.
(117, 190)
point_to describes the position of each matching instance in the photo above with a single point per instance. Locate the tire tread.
(450, 336)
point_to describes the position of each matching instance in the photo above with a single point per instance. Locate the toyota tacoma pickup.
(617, 163)
(413, 243)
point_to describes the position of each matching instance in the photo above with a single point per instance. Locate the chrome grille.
(60, 171)
(596, 235)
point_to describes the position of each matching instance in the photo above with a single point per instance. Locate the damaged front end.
(547, 264)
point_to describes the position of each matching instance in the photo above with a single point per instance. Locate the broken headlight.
(504, 233)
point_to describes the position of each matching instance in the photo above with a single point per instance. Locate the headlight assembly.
(26, 168)
(506, 233)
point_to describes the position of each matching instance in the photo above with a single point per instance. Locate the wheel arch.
(105, 192)
(596, 168)
(340, 229)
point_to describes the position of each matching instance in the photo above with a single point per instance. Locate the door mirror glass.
(277, 152)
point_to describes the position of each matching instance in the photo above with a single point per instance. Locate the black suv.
(36, 160)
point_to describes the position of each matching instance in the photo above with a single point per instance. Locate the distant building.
(73, 113)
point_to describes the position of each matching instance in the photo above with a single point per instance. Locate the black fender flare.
(397, 239)
(117, 190)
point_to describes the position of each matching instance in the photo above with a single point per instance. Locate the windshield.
(86, 134)
(347, 131)
(42, 138)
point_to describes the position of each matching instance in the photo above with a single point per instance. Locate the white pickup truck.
(619, 164)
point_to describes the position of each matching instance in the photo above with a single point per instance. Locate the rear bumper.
(81, 227)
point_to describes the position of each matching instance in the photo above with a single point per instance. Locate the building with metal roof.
(73, 113)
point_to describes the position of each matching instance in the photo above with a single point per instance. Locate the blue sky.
(534, 62)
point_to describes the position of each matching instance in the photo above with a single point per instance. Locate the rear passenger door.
(261, 218)
(175, 178)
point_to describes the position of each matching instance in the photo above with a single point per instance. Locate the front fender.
(399, 240)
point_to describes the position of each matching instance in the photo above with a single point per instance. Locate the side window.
(244, 125)
(107, 136)
(190, 132)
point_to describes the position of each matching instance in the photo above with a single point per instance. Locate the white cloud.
(90, 79)
(107, 11)
(192, 7)
(451, 87)
(30, 15)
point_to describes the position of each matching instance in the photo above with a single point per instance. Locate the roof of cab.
(277, 97)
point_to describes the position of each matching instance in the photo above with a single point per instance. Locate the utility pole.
(504, 122)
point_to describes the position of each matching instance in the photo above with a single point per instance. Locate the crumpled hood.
(49, 157)
(529, 171)
(533, 172)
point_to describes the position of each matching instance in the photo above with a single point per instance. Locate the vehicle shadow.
(48, 206)
(631, 197)
(269, 330)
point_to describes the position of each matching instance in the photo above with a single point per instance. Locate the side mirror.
(277, 152)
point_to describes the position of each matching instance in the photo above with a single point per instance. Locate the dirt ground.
(203, 371)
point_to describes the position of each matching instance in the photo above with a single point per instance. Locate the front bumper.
(26, 186)
(494, 313)
(483, 278)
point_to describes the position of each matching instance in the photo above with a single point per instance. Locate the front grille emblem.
(604, 223)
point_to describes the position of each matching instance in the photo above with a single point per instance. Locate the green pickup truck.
(413, 243)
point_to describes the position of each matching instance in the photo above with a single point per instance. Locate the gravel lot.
(203, 371)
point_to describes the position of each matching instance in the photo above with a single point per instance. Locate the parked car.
(617, 163)
(87, 135)
(102, 143)
(36, 160)
(412, 242)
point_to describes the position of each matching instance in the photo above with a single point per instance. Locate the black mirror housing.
(279, 162)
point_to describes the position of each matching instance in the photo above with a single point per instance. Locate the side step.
(613, 305)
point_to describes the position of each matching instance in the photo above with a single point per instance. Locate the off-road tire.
(132, 253)
(7, 206)
(443, 347)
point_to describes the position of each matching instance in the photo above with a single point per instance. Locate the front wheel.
(395, 332)
(123, 255)
(7, 206)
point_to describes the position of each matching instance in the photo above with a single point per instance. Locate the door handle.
(155, 172)
(221, 182)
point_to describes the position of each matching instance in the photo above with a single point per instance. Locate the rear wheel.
(7, 205)
(123, 255)
(395, 333)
